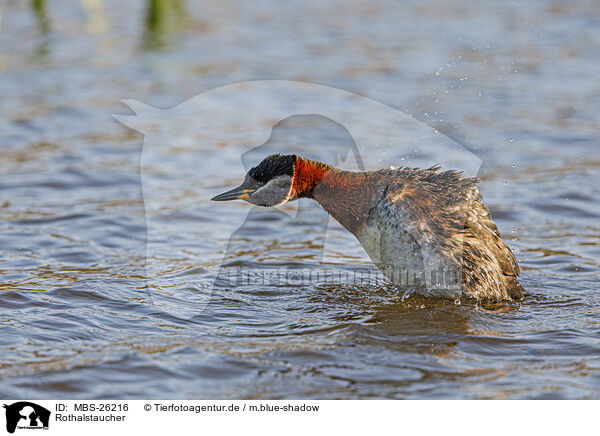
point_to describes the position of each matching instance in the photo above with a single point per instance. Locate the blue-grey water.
(83, 316)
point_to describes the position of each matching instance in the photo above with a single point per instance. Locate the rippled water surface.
(102, 294)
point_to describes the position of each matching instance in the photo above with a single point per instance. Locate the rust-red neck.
(307, 175)
(347, 196)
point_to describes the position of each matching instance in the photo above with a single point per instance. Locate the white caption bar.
(268, 417)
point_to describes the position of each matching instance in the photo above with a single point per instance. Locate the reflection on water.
(41, 14)
(163, 17)
(516, 85)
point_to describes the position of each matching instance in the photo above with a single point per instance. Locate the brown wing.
(446, 209)
(480, 226)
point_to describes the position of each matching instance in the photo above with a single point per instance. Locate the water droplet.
(457, 301)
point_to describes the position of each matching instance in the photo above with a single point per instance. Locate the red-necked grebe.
(425, 225)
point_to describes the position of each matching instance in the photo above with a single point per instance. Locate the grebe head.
(267, 184)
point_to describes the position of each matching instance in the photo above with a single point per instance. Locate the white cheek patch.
(275, 193)
(289, 180)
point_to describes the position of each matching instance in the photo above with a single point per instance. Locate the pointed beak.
(239, 193)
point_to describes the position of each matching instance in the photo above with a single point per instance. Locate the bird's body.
(427, 230)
